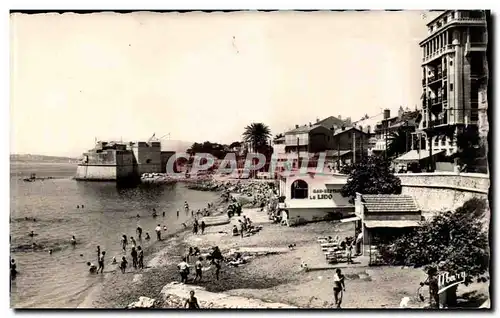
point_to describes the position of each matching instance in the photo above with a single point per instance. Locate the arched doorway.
(300, 189)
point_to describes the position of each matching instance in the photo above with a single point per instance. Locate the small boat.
(31, 178)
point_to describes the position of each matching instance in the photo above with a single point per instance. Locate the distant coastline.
(29, 158)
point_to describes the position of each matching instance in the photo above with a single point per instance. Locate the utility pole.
(353, 147)
(298, 153)
(386, 123)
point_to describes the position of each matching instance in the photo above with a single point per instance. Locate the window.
(443, 141)
(300, 189)
(436, 141)
(451, 62)
(451, 87)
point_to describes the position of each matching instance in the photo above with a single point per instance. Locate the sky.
(203, 76)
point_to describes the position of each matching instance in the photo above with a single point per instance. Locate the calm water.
(62, 279)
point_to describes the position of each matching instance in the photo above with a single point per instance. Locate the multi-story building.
(406, 121)
(454, 55)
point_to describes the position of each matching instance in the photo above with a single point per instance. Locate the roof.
(335, 153)
(340, 131)
(437, 17)
(415, 155)
(389, 203)
(303, 129)
(338, 121)
(279, 139)
(396, 224)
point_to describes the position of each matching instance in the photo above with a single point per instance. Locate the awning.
(353, 219)
(394, 224)
(415, 156)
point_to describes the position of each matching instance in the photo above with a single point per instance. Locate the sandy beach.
(273, 274)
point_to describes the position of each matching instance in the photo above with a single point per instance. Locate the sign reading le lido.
(319, 194)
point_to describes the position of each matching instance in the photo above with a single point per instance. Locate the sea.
(49, 209)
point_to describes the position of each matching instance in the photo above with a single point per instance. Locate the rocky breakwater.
(157, 178)
(175, 294)
(204, 185)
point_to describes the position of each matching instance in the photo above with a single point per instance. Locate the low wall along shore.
(444, 191)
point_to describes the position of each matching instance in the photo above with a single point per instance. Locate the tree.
(399, 142)
(235, 144)
(456, 239)
(257, 135)
(470, 151)
(372, 175)
(278, 136)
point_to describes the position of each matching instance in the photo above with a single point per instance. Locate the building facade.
(405, 122)
(454, 55)
(313, 197)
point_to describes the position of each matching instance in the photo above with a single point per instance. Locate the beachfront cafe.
(383, 217)
(313, 196)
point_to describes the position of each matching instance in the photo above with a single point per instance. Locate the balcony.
(475, 47)
(439, 122)
(439, 52)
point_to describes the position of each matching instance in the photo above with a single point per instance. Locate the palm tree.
(257, 135)
(399, 142)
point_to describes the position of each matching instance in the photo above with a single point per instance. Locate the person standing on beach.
(191, 302)
(147, 237)
(140, 258)
(139, 232)
(100, 262)
(183, 270)
(73, 240)
(133, 241)
(133, 253)
(217, 268)
(123, 264)
(195, 226)
(186, 207)
(98, 252)
(202, 227)
(338, 287)
(198, 266)
(124, 242)
(177, 213)
(13, 269)
(158, 232)
(163, 214)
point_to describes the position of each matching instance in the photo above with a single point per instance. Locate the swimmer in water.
(147, 238)
(92, 268)
(163, 213)
(137, 216)
(177, 213)
(77, 206)
(50, 252)
(184, 224)
(83, 206)
(114, 260)
(164, 228)
(32, 234)
(73, 240)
